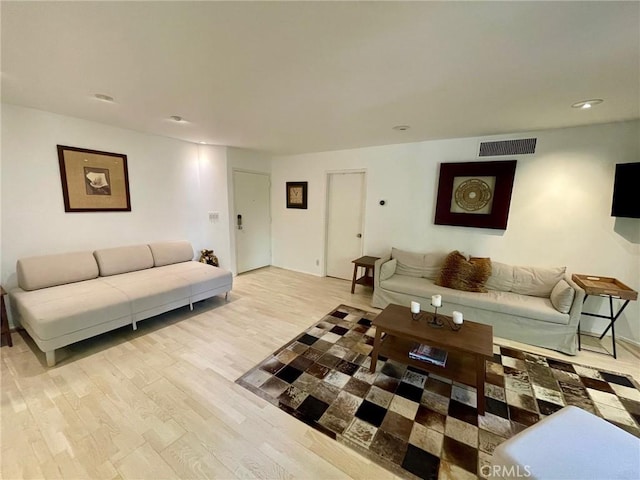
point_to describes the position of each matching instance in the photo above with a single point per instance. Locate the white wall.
(173, 185)
(560, 209)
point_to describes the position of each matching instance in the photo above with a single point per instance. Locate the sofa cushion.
(426, 265)
(388, 269)
(150, 289)
(461, 274)
(62, 309)
(51, 270)
(201, 277)
(166, 253)
(501, 277)
(562, 296)
(112, 261)
(536, 281)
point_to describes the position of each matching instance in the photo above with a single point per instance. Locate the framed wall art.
(475, 194)
(93, 181)
(297, 195)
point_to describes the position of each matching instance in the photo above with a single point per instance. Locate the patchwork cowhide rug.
(418, 424)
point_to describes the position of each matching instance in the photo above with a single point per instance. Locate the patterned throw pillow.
(461, 274)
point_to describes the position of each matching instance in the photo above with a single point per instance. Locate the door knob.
(359, 235)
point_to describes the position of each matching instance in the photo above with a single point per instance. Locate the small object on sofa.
(569, 444)
(208, 257)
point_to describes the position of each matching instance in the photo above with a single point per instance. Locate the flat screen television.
(626, 191)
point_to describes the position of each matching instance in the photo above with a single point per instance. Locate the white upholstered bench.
(570, 444)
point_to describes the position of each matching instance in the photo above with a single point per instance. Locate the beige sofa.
(537, 306)
(65, 298)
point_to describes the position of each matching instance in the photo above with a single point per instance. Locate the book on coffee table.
(427, 353)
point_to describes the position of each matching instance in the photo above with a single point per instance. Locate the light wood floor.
(161, 402)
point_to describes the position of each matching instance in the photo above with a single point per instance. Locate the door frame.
(232, 223)
(363, 203)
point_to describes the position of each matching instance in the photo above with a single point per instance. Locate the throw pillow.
(388, 269)
(461, 274)
(562, 296)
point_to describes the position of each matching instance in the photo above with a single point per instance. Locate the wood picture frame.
(297, 195)
(475, 194)
(93, 181)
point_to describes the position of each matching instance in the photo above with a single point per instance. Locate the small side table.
(605, 287)
(4, 320)
(368, 263)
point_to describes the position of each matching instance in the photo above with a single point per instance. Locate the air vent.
(508, 147)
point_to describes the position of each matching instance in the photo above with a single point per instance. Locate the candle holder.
(416, 316)
(434, 321)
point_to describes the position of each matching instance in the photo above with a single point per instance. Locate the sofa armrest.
(376, 271)
(576, 307)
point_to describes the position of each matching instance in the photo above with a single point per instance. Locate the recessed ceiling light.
(401, 128)
(177, 118)
(586, 104)
(203, 143)
(103, 97)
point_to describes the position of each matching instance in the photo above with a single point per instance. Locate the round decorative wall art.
(473, 194)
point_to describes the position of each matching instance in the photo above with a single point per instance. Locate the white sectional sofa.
(65, 298)
(537, 306)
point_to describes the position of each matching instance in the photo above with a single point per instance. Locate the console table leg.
(480, 377)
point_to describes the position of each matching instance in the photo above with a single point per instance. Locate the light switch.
(214, 216)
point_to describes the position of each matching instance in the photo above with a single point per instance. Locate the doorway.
(252, 205)
(345, 222)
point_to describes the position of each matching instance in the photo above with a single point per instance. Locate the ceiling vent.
(523, 146)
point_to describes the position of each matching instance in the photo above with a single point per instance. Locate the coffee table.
(468, 348)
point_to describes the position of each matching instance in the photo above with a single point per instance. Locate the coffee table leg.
(480, 377)
(376, 348)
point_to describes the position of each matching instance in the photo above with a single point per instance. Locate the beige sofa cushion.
(166, 253)
(562, 296)
(51, 270)
(63, 309)
(501, 277)
(536, 281)
(426, 265)
(112, 261)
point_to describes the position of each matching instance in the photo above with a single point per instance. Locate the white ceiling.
(291, 77)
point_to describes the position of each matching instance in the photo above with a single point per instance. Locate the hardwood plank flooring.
(160, 402)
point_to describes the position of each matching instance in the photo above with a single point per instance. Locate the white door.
(252, 220)
(345, 207)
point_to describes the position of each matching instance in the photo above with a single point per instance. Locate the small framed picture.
(297, 195)
(93, 181)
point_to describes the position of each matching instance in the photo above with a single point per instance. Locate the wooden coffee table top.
(473, 337)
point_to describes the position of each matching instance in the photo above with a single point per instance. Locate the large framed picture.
(297, 195)
(475, 194)
(93, 181)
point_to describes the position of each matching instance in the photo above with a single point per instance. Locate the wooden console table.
(368, 263)
(4, 321)
(605, 287)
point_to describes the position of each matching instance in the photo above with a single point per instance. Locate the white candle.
(415, 307)
(457, 318)
(436, 300)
